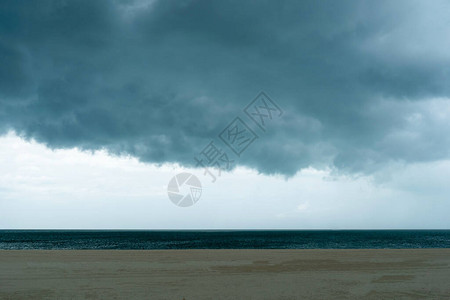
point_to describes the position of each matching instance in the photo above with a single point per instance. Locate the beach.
(225, 274)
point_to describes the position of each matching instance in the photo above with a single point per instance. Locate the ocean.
(223, 239)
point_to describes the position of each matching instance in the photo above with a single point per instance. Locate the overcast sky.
(103, 102)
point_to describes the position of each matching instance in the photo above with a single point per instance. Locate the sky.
(102, 103)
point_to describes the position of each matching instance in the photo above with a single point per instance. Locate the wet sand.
(226, 274)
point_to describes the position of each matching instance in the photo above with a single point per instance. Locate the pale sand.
(226, 274)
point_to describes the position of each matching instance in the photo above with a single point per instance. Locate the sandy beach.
(226, 274)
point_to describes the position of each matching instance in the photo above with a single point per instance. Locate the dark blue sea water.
(302, 239)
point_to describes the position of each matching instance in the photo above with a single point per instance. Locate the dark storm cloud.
(361, 83)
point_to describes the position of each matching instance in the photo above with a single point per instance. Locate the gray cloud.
(362, 83)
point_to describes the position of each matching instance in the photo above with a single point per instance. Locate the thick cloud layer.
(361, 83)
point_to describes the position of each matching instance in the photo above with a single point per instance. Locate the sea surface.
(223, 239)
